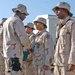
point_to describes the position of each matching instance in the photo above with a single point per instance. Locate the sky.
(34, 7)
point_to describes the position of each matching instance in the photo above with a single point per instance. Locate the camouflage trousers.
(2, 67)
(28, 69)
(14, 73)
(39, 71)
(2, 70)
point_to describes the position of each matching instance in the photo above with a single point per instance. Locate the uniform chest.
(66, 29)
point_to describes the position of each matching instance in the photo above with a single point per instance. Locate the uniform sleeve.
(49, 48)
(30, 56)
(72, 51)
(32, 40)
(19, 29)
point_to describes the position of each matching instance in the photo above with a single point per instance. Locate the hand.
(28, 60)
(30, 50)
(46, 67)
(71, 67)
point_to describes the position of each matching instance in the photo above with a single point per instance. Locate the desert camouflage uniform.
(2, 67)
(43, 51)
(14, 38)
(65, 34)
(28, 66)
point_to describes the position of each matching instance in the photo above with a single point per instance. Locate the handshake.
(30, 50)
(71, 67)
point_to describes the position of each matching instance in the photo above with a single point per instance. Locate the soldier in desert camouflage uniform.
(43, 48)
(14, 39)
(28, 63)
(64, 57)
(2, 67)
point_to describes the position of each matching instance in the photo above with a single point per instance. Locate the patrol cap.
(2, 21)
(63, 5)
(41, 20)
(21, 8)
(31, 25)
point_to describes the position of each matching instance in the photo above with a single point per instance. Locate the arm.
(49, 50)
(32, 40)
(71, 60)
(19, 29)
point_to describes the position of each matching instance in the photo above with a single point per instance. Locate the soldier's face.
(22, 15)
(60, 13)
(28, 30)
(39, 26)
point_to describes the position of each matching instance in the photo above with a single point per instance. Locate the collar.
(30, 34)
(65, 20)
(40, 32)
(17, 16)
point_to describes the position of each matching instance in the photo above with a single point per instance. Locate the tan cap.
(2, 21)
(41, 20)
(31, 25)
(21, 8)
(63, 5)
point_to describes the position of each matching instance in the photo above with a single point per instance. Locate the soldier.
(29, 27)
(64, 60)
(28, 62)
(2, 67)
(43, 48)
(14, 39)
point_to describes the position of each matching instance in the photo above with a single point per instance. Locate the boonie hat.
(63, 5)
(31, 25)
(3, 20)
(41, 20)
(21, 8)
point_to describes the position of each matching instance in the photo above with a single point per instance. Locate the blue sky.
(34, 7)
